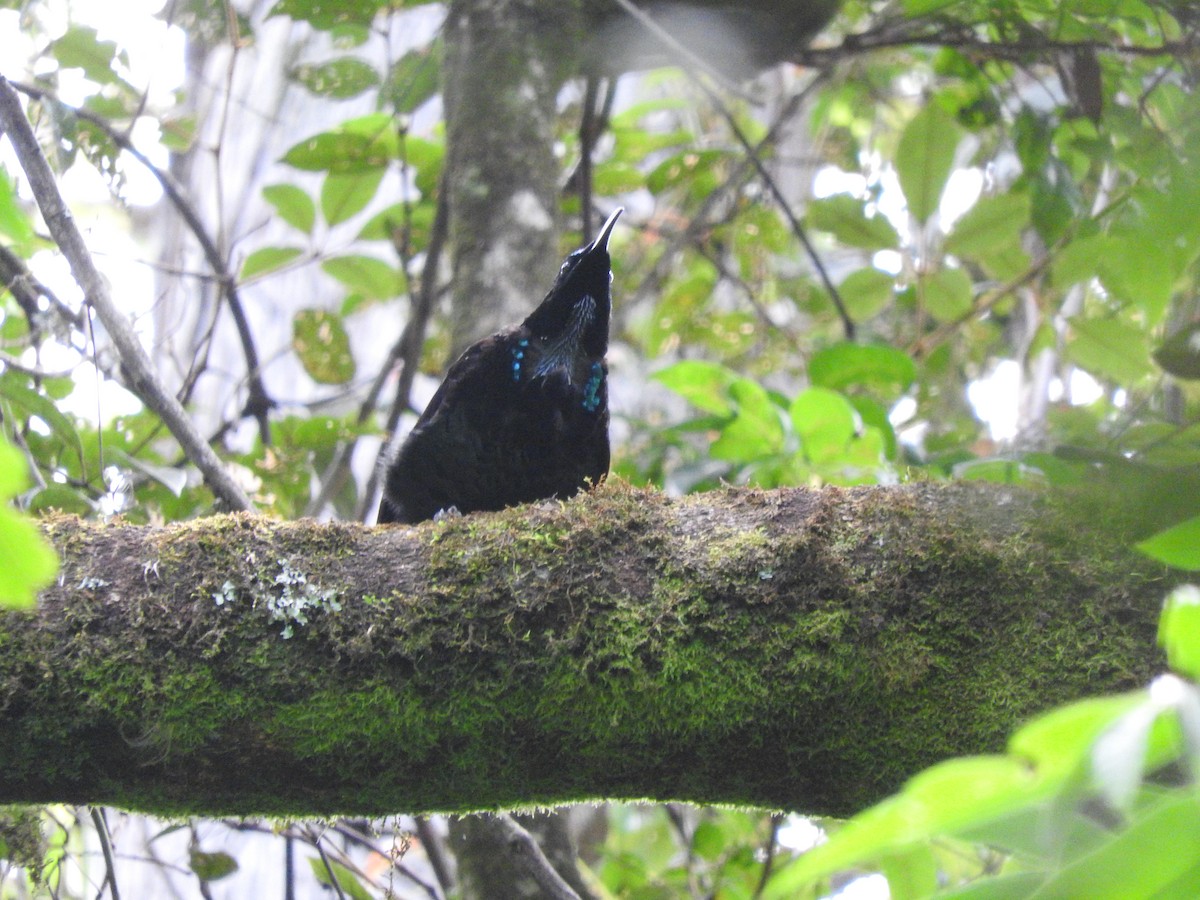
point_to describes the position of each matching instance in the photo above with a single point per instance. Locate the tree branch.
(793, 649)
(143, 379)
(258, 402)
(521, 845)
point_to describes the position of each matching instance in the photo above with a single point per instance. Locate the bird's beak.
(601, 241)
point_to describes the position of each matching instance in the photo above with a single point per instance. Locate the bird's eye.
(570, 261)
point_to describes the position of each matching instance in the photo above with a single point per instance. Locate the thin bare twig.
(588, 132)
(407, 350)
(961, 37)
(694, 65)
(365, 841)
(26, 289)
(769, 850)
(530, 856)
(258, 402)
(333, 879)
(736, 180)
(435, 852)
(110, 865)
(142, 377)
(926, 343)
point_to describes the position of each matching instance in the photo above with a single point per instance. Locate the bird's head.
(573, 319)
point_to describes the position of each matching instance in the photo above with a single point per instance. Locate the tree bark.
(795, 649)
(505, 62)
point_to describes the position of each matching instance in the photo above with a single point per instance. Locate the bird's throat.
(562, 351)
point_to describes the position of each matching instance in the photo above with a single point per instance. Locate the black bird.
(523, 414)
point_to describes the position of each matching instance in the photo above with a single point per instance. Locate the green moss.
(816, 655)
(376, 720)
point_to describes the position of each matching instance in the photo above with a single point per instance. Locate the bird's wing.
(454, 378)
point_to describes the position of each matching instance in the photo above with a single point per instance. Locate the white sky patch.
(889, 261)
(155, 49)
(94, 401)
(799, 834)
(1082, 388)
(141, 188)
(869, 887)
(996, 399)
(962, 192)
(905, 409)
(891, 203)
(831, 180)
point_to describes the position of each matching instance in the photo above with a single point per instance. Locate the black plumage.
(523, 414)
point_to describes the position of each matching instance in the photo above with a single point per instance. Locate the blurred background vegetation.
(941, 239)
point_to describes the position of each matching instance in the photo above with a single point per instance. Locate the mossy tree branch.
(797, 649)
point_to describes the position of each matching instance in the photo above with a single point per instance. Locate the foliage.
(1003, 195)
(29, 564)
(1085, 802)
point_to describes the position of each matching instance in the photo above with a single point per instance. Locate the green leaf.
(29, 562)
(346, 880)
(991, 222)
(1180, 353)
(924, 158)
(614, 177)
(358, 145)
(1080, 260)
(915, 9)
(342, 78)
(1179, 629)
(293, 205)
(703, 384)
(866, 293)
(990, 233)
(952, 796)
(14, 222)
(911, 873)
(15, 390)
(320, 340)
(1058, 742)
(1156, 855)
(328, 14)
(1111, 349)
(211, 866)
(59, 497)
(178, 133)
(708, 840)
(700, 172)
(412, 80)
(388, 224)
(755, 431)
(1141, 269)
(1017, 886)
(268, 259)
(875, 367)
(825, 423)
(427, 158)
(947, 293)
(844, 216)
(367, 275)
(1178, 546)
(875, 416)
(345, 193)
(80, 48)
